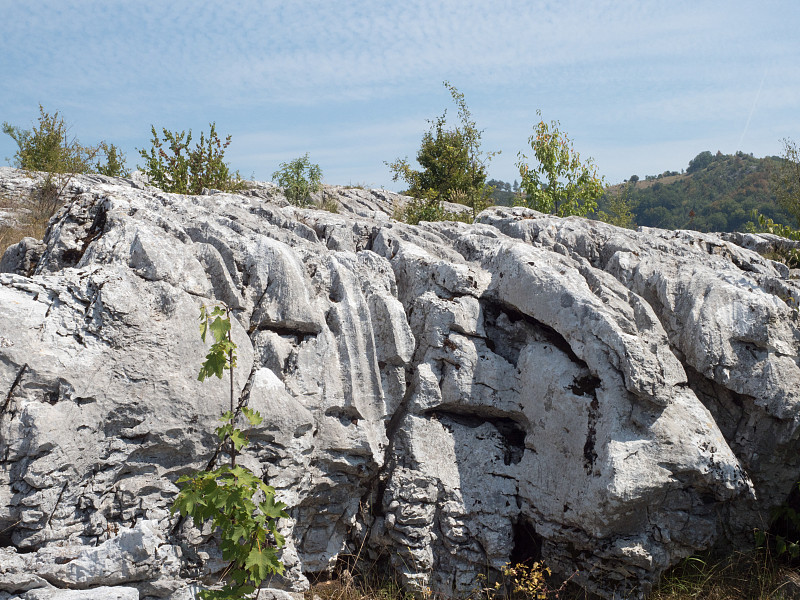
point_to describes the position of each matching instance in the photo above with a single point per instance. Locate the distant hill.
(504, 192)
(717, 192)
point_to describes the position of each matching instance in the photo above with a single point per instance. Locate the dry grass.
(357, 590)
(328, 202)
(358, 186)
(32, 211)
(10, 235)
(358, 579)
(13, 230)
(753, 575)
(28, 224)
(646, 183)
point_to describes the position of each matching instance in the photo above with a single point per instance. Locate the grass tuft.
(752, 575)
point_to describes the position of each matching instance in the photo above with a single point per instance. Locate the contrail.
(752, 110)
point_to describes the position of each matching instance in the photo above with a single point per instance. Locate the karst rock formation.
(440, 399)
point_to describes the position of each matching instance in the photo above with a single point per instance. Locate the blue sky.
(640, 86)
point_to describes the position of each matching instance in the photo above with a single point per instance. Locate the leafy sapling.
(299, 179)
(236, 502)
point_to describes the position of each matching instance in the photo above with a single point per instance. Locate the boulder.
(442, 398)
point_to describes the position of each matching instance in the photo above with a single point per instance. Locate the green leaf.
(261, 563)
(272, 509)
(219, 328)
(253, 416)
(238, 438)
(186, 501)
(223, 431)
(279, 539)
(214, 364)
(780, 544)
(238, 532)
(760, 538)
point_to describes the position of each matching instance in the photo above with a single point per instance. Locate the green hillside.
(715, 193)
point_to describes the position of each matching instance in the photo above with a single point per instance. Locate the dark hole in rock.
(589, 452)
(527, 543)
(786, 520)
(347, 416)
(6, 532)
(71, 257)
(62, 560)
(585, 386)
(708, 499)
(513, 438)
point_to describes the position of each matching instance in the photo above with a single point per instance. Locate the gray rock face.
(444, 397)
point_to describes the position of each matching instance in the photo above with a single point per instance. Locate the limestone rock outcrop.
(444, 397)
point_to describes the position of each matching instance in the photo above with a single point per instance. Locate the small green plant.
(172, 166)
(521, 581)
(236, 502)
(299, 179)
(428, 208)
(48, 148)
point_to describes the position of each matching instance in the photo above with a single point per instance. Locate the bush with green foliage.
(47, 147)
(561, 183)
(299, 179)
(701, 161)
(504, 193)
(786, 182)
(115, 162)
(453, 167)
(787, 255)
(428, 209)
(232, 498)
(173, 166)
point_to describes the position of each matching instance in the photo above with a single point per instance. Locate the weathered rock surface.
(445, 396)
